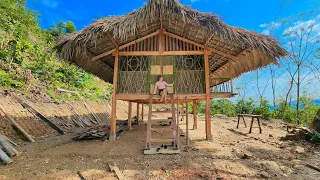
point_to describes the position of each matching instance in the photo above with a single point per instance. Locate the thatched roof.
(255, 50)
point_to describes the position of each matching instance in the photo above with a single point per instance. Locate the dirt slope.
(58, 157)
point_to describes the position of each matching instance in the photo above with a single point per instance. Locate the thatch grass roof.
(255, 50)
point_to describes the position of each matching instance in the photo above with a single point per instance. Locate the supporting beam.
(113, 40)
(209, 39)
(142, 111)
(159, 53)
(208, 113)
(138, 113)
(130, 115)
(195, 120)
(113, 123)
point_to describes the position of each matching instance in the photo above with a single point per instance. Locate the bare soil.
(233, 154)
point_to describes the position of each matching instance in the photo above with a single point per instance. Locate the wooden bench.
(257, 117)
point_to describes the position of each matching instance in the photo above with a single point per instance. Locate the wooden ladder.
(173, 128)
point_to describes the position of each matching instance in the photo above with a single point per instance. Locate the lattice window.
(133, 75)
(190, 74)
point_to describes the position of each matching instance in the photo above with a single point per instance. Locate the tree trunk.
(298, 95)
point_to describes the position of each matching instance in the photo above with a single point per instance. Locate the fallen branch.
(42, 117)
(313, 167)
(67, 91)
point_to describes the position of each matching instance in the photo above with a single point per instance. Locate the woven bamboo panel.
(190, 82)
(133, 82)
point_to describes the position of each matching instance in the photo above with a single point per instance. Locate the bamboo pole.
(15, 124)
(195, 120)
(113, 122)
(138, 113)
(207, 80)
(130, 115)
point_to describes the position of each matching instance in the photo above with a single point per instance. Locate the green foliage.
(245, 106)
(57, 29)
(26, 57)
(62, 27)
(70, 27)
(223, 106)
(263, 109)
(315, 137)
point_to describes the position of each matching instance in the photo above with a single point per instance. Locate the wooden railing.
(221, 85)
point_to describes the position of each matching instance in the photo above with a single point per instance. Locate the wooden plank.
(130, 115)
(143, 98)
(114, 167)
(114, 99)
(161, 140)
(15, 124)
(207, 81)
(41, 116)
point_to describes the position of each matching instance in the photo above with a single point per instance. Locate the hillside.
(28, 66)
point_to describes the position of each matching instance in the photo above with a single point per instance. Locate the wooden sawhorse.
(252, 119)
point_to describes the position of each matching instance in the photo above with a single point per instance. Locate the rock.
(297, 149)
(270, 135)
(264, 174)
(246, 156)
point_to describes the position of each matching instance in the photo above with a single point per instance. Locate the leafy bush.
(263, 109)
(223, 106)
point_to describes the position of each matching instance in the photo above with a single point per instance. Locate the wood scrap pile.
(97, 132)
(297, 133)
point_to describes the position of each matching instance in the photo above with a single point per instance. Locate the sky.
(253, 15)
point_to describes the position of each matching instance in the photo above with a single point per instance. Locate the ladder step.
(161, 129)
(162, 112)
(161, 140)
(160, 120)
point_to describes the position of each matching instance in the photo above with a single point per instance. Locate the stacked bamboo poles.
(7, 151)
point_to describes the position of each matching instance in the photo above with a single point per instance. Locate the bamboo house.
(197, 51)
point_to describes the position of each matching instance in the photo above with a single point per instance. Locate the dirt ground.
(233, 154)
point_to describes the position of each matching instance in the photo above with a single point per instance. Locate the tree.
(57, 29)
(70, 27)
(302, 41)
(62, 27)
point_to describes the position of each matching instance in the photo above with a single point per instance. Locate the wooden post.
(195, 121)
(187, 122)
(130, 115)
(142, 113)
(208, 113)
(113, 123)
(138, 113)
